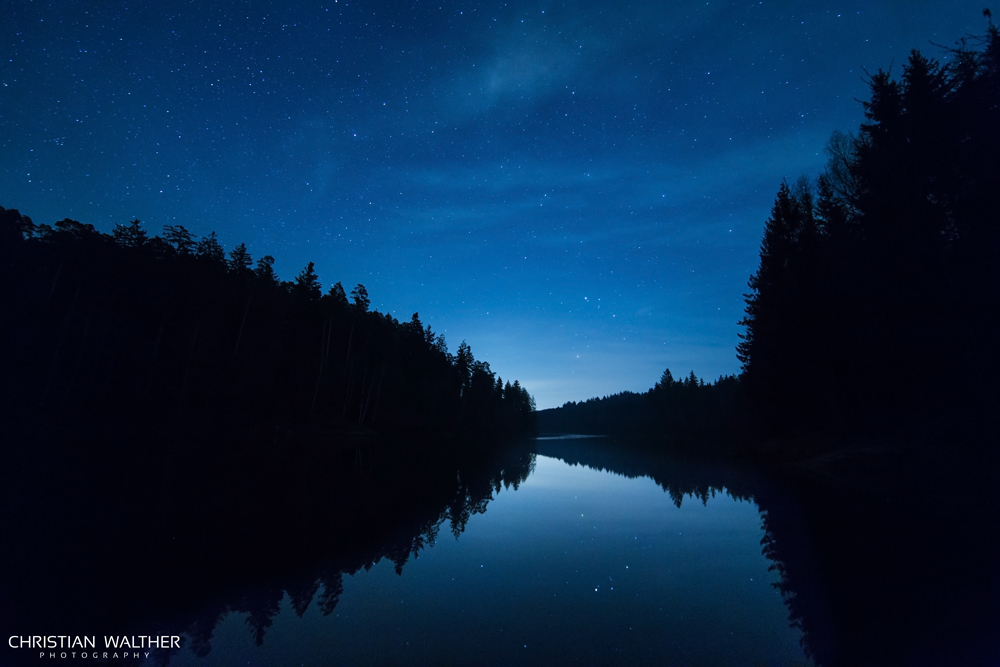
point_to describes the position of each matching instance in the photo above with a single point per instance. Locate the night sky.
(576, 189)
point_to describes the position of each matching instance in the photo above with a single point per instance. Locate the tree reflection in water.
(885, 559)
(216, 523)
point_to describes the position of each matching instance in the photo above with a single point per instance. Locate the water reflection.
(577, 566)
(214, 524)
(276, 548)
(886, 557)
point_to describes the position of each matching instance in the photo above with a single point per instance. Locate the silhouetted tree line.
(685, 413)
(875, 305)
(129, 327)
(875, 302)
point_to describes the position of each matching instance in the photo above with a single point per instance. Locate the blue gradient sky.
(576, 189)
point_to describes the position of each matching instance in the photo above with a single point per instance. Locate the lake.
(575, 565)
(291, 551)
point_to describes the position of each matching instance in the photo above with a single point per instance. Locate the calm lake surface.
(568, 551)
(576, 565)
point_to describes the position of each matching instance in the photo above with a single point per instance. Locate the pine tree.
(131, 235)
(265, 270)
(307, 285)
(179, 238)
(463, 366)
(360, 297)
(338, 295)
(240, 260)
(210, 249)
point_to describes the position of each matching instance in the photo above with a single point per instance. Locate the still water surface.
(575, 566)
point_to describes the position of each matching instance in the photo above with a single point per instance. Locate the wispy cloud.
(530, 56)
(621, 199)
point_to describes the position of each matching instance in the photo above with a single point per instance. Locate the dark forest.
(127, 329)
(873, 311)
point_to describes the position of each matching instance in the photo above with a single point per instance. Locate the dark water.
(281, 549)
(575, 566)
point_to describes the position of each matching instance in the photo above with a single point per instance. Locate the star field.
(576, 189)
